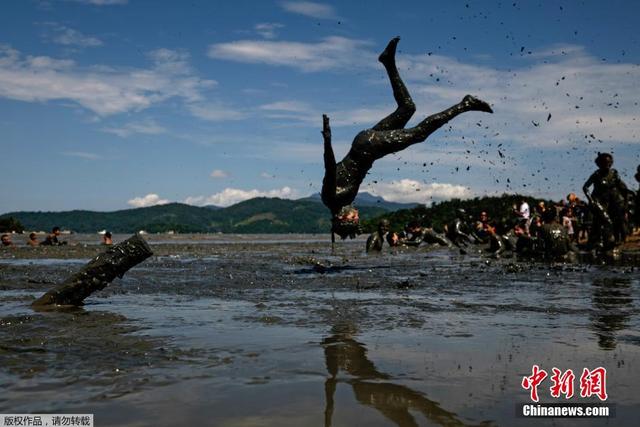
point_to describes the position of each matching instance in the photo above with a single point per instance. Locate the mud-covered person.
(417, 233)
(458, 231)
(609, 204)
(555, 242)
(107, 239)
(342, 179)
(375, 240)
(52, 238)
(33, 240)
(6, 240)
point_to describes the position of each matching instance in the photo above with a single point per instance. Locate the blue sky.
(109, 104)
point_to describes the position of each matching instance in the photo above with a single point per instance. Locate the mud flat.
(278, 331)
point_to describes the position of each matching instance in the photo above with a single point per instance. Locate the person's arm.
(415, 240)
(329, 181)
(586, 186)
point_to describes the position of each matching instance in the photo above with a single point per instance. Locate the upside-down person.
(342, 180)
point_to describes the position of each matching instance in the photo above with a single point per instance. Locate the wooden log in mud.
(98, 273)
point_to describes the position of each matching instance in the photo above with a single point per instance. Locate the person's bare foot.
(475, 104)
(389, 53)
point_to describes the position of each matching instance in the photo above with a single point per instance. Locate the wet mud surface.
(277, 330)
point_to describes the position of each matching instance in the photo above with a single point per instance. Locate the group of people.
(52, 239)
(604, 221)
(554, 232)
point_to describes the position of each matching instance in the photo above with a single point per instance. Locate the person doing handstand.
(342, 180)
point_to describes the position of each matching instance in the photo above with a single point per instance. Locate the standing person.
(33, 240)
(524, 215)
(342, 180)
(608, 201)
(567, 222)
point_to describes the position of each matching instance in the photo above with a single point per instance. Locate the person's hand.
(326, 129)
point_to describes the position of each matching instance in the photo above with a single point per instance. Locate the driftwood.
(98, 273)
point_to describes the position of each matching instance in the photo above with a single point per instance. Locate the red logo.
(537, 376)
(592, 383)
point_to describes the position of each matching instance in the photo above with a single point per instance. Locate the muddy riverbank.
(277, 330)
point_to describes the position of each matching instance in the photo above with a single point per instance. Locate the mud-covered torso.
(607, 186)
(375, 242)
(556, 239)
(351, 171)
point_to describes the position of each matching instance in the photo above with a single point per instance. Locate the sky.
(113, 104)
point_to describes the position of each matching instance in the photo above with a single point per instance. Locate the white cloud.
(562, 96)
(149, 127)
(301, 112)
(218, 173)
(411, 191)
(310, 9)
(268, 29)
(69, 37)
(330, 53)
(82, 155)
(231, 196)
(150, 199)
(103, 90)
(266, 175)
(552, 80)
(216, 112)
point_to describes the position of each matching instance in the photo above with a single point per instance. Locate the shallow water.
(277, 330)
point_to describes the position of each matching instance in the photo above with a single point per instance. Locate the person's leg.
(380, 143)
(400, 117)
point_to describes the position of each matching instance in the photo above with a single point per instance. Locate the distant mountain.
(259, 215)
(367, 199)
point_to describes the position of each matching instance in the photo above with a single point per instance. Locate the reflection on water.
(370, 386)
(228, 334)
(613, 305)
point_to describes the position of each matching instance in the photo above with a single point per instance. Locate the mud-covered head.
(549, 216)
(413, 226)
(6, 240)
(604, 161)
(346, 223)
(384, 225)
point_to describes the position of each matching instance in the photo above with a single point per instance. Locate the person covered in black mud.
(416, 234)
(52, 238)
(554, 241)
(608, 201)
(342, 180)
(376, 239)
(459, 232)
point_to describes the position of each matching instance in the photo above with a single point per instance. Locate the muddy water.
(278, 331)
